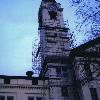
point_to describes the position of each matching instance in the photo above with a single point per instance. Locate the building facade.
(65, 74)
(86, 66)
(23, 88)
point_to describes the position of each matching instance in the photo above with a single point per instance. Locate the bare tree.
(88, 17)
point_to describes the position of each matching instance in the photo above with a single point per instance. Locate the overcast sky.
(18, 28)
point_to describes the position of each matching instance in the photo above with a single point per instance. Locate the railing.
(21, 86)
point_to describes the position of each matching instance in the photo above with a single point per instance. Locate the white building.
(66, 74)
(23, 88)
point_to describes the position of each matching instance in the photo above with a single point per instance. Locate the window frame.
(35, 82)
(6, 81)
(53, 15)
(31, 97)
(64, 91)
(11, 97)
(2, 96)
(38, 98)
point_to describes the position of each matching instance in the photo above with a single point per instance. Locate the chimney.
(29, 74)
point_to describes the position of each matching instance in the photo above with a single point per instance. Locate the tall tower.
(54, 39)
(55, 49)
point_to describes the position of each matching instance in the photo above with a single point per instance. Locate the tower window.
(64, 69)
(64, 91)
(58, 71)
(53, 15)
(65, 74)
(94, 94)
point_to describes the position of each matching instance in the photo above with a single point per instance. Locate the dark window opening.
(50, 0)
(65, 74)
(58, 71)
(64, 69)
(94, 94)
(10, 98)
(38, 98)
(30, 98)
(53, 15)
(64, 91)
(55, 34)
(35, 82)
(6, 81)
(88, 71)
(63, 61)
(2, 97)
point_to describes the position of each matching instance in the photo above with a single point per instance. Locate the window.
(30, 98)
(53, 15)
(34, 82)
(94, 94)
(65, 74)
(64, 91)
(6, 81)
(2, 97)
(38, 98)
(10, 98)
(64, 69)
(58, 70)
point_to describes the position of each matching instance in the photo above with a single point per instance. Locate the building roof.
(80, 50)
(23, 77)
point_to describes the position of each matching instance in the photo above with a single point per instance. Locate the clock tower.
(55, 49)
